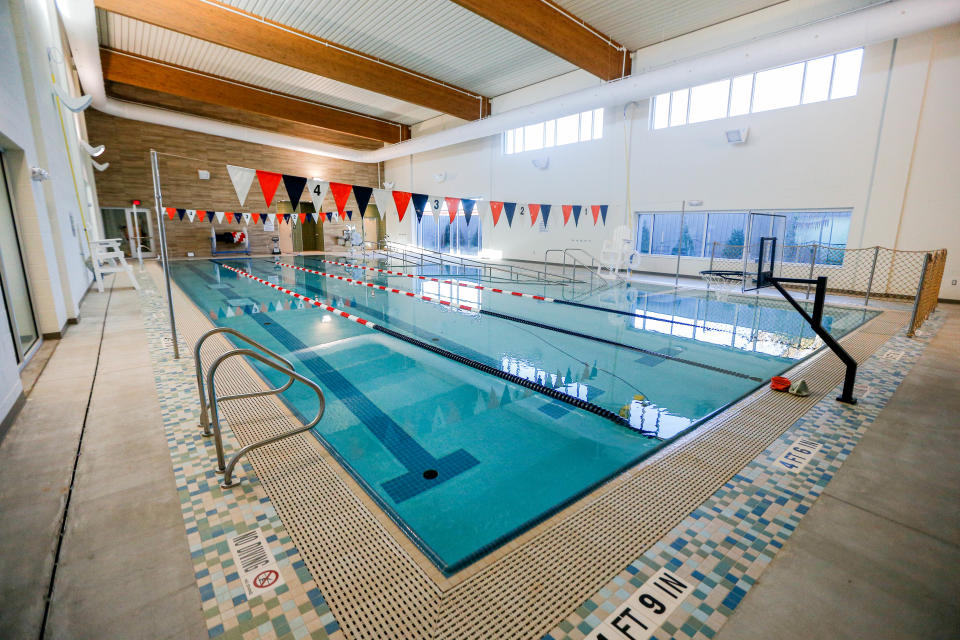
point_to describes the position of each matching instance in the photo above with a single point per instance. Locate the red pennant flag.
(340, 194)
(303, 218)
(229, 216)
(171, 211)
(496, 208)
(453, 207)
(200, 214)
(402, 200)
(269, 182)
(255, 217)
(567, 210)
(534, 212)
(595, 210)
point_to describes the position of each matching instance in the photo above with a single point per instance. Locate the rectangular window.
(816, 80)
(709, 101)
(725, 235)
(579, 127)
(644, 233)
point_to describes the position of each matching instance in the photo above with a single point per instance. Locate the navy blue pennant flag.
(576, 215)
(294, 186)
(349, 214)
(419, 202)
(362, 196)
(286, 218)
(181, 213)
(468, 206)
(545, 212)
(509, 208)
(603, 213)
(329, 216)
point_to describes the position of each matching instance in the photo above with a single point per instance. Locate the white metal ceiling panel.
(125, 34)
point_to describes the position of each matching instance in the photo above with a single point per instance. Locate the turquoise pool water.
(463, 460)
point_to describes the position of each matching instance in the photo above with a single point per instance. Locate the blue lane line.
(391, 435)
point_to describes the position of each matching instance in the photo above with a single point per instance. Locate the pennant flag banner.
(595, 210)
(567, 210)
(200, 214)
(419, 202)
(246, 217)
(534, 212)
(509, 208)
(303, 218)
(468, 206)
(318, 191)
(453, 207)
(242, 178)
(286, 218)
(181, 213)
(385, 203)
(362, 196)
(349, 213)
(329, 216)
(294, 186)
(219, 215)
(340, 194)
(576, 215)
(603, 213)
(256, 218)
(496, 208)
(171, 212)
(545, 210)
(402, 200)
(269, 182)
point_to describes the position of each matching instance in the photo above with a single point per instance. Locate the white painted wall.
(886, 153)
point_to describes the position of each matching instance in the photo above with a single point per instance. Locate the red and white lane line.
(518, 294)
(298, 296)
(402, 292)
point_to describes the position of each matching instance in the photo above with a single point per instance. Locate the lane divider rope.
(529, 384)
(504, 316)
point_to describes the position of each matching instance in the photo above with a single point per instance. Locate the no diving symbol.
(266, 579)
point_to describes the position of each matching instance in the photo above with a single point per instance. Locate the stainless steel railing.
(430, 256)
(213, 400)
(204, 418)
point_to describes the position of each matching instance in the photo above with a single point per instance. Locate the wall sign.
(646, 610)
(257, 567)
(797, 455)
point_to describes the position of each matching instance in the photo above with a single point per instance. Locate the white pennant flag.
(318, 191)
(385, 202)
(192, 214)
(436, 205)
(242, 178)
(273, 218)
(316, 216)
(219, 215)
(246, 218)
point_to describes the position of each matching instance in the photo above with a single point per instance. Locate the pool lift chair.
(209, 401)
(618, 253)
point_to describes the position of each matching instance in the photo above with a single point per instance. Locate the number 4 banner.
(318, 191)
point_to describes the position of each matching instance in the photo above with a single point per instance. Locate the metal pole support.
(873, 269)
(164, 255)
(911, 328)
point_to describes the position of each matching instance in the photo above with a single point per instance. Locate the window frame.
(513, 141)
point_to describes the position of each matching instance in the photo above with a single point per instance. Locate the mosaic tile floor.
(722, 547)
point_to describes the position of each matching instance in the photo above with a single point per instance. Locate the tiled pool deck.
(722, 546)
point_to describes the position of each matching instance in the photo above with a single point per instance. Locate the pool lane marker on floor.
(541, 325)
(523, 382)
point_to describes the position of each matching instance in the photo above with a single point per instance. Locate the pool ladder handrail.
(204, 418)
(227, 469)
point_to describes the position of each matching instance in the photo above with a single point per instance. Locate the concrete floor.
(875, 557)
(124, 569)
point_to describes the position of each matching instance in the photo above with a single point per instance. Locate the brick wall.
(128, 144)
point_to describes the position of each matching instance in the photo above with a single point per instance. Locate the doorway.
(311, 235)
(133, 226)
(13, 275)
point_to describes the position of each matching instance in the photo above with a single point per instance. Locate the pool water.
(463, 460)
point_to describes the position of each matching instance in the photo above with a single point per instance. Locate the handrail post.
(813, 262)
(873, 270)
(916, 299)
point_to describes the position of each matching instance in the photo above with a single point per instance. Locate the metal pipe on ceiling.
(878, 23)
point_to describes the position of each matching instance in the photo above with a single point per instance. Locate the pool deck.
(868, 546)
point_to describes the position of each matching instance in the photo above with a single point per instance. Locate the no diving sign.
(257, 567)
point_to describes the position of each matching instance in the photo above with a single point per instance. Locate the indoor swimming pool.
(463, 460)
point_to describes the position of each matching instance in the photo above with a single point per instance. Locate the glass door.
(13, 276)
(140, 230)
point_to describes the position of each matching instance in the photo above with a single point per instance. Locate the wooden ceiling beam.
(249, 33)
(140, 72)
(555, 29)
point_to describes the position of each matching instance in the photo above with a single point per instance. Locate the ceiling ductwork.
(875, 24)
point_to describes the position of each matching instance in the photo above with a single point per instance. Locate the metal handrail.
(227, 469)
(514, 270)
(204, 420)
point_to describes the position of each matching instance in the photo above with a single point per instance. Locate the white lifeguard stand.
(108, 258)
(617, 253)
